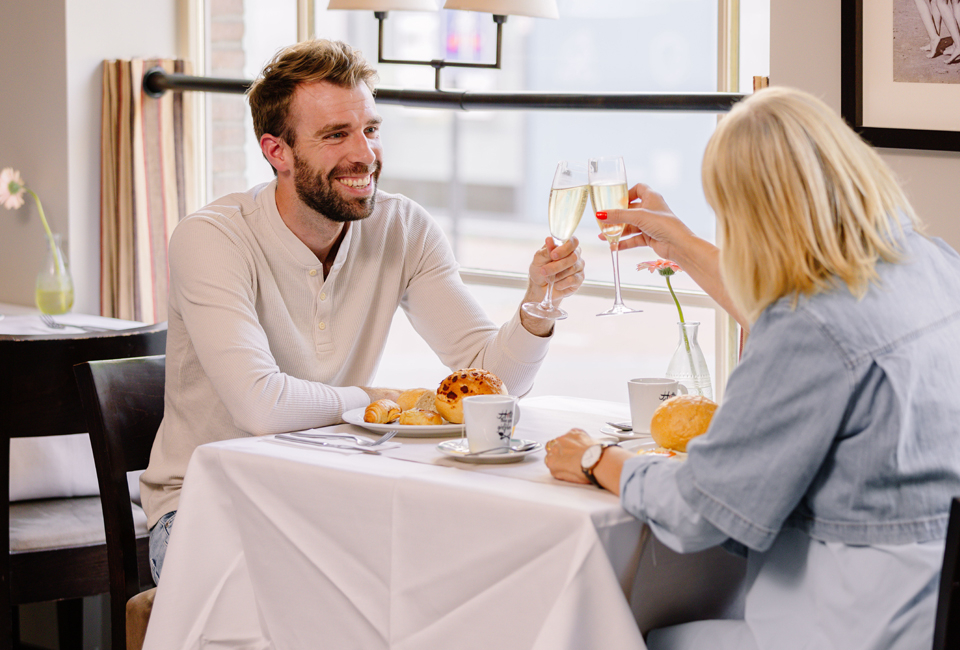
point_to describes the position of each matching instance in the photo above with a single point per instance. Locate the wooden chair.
(123, 400)
(946, 631)
(39, 397)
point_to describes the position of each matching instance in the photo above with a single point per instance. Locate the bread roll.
(681, 418)
(383, 411)
(420, 417)
(463, 383)
(408, 399)
(427, 401)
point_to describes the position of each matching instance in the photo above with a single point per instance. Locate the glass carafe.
(688, 365)
(54, 291)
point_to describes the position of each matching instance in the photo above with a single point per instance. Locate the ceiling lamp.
(533, 8)
(499, 8)
(384, 5)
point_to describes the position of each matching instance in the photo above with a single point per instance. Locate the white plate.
(619, 434)
(355, 417)
(459, 448)
(648, 445)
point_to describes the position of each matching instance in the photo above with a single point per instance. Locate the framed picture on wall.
(900, 72)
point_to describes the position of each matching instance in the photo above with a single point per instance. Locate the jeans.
(159, 538)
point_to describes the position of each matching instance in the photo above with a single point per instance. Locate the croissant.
(382, 411)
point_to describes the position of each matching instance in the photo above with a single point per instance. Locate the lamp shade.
(535, 8)
(384, 5)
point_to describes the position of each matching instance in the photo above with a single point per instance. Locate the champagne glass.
(568, 198)
(608, 191)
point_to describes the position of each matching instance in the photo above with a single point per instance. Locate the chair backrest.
(123, 400)
(946, 631)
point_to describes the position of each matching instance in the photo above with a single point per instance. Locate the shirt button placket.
(321, 309)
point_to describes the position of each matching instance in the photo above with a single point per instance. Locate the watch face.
(591, 456)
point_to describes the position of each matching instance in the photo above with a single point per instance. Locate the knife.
(328, 445)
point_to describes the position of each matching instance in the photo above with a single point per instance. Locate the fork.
(49, 322)
(52, 324)
(362, 442)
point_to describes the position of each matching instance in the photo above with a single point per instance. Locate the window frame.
(193, 40)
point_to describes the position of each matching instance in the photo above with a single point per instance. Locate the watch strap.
(588, 471)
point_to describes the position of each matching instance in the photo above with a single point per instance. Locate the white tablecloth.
(54, 466)
(283, 546)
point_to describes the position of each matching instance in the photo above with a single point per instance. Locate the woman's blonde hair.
(801, 201)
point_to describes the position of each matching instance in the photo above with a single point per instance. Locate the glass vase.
(688, 365)
(54, 290)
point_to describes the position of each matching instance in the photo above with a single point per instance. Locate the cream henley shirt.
(260, 342)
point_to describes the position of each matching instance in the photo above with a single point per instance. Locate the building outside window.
(485, 175)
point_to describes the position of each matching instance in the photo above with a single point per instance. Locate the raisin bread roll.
(383, 411)
(463, 383)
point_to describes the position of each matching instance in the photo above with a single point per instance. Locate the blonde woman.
(833, 458)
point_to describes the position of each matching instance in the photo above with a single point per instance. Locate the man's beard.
(318, 193)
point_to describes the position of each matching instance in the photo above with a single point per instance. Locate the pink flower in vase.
(666, 268)
(11, 189)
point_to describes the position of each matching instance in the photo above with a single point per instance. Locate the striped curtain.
(147, 184)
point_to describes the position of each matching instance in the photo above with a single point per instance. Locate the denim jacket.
(843, 417)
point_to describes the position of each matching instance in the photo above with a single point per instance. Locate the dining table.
(53, 466)
(280, 544)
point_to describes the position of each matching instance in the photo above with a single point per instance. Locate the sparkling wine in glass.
(608, 191)
(568, 198)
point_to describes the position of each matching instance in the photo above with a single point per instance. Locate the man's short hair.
(310, 61)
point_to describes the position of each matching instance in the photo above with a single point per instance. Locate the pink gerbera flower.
(11, 189)
(665, 268)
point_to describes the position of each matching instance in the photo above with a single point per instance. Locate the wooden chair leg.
(70, 623)
(12, 640)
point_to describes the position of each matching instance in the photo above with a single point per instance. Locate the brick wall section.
(227, 162)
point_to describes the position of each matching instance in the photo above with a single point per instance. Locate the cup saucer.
(459, 448)
(623, 435)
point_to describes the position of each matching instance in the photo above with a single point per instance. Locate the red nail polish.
(601, 215)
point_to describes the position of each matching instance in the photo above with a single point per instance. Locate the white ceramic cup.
(489, 420)
(646, 394)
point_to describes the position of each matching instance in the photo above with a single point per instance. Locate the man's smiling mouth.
(356, 183)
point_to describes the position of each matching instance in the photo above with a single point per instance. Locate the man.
(281, 298)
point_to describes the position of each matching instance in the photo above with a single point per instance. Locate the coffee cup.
(489, 420)
(646, 394)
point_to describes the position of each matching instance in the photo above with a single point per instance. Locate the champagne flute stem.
(614, 255)
(547, 303)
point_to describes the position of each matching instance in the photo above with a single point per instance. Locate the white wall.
(51, 53)
(805, 53)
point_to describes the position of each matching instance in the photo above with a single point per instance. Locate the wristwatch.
(591, 457)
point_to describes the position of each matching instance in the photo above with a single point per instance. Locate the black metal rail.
(156, 81)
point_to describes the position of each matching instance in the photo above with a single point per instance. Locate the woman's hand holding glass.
(608, 191)
(650, 222)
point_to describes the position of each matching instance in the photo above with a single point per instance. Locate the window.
(485, 175)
